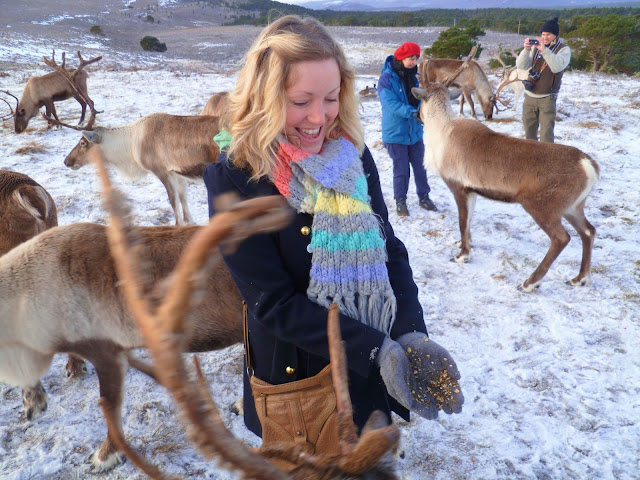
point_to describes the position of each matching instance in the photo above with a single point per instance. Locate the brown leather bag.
(302, 412)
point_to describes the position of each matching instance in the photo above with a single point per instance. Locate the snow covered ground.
(551, 379)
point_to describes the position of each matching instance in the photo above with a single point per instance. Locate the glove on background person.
(421, 375)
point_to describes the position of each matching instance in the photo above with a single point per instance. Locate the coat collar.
(241, 179)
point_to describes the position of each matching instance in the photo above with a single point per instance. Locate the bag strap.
(245, 334)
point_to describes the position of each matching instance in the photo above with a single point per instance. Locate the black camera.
(533, 41)
(530, 83)
(535, 76)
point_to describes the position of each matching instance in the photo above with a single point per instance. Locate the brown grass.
(505, 120)
(31, 147)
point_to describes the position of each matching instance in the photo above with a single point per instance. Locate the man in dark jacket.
(402, 131)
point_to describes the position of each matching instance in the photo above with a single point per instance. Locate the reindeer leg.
(34, 400)
(559, 239)
(461, 101)
(466, 203)
(467, 93)
(587, 234)
(181, 183)
(24, 367)
(83, 106)
(110, 364)
(75, 367)
(168, 180)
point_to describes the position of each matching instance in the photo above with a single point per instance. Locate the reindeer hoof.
(237, 407)
(34, 400)
(99, 466)
(460, 259)
(528, 288)
(76, 367)
(578, 282)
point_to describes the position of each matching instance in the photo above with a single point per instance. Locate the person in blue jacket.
(292, 128)
(402, 130)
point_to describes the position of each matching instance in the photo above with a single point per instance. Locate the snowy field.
(551, 379)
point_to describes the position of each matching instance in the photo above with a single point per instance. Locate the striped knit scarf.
(348, 252)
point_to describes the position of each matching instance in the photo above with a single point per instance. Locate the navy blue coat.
(286, 329)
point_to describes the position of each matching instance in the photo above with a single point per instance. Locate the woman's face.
(312, 97)
(410, 62)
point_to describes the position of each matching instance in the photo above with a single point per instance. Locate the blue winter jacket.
(398, 123)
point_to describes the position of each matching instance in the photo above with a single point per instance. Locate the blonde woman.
(292, 129)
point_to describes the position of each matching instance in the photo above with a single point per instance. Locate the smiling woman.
(295, 131)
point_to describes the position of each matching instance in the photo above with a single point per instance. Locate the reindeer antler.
(450, 79)
(6, 117)
(71, 78)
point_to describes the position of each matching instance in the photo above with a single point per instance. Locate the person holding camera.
(546, 58)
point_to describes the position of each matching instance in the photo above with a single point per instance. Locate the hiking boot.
(401, 207)
(427, 204)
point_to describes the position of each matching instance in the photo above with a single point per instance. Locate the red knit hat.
(407, 49)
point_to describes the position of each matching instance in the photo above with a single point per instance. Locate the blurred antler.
(166, 331)
(71, 78)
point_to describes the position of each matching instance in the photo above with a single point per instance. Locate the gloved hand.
(416, 115)
(420, 375)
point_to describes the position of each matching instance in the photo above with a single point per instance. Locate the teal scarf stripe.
(334, 242)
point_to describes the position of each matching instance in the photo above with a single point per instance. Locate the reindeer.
(27, 209)
(167, 328)
(471, 80)
(550, 181)
(59, 293)
(173, 148)
(50, 88)
(216, 105)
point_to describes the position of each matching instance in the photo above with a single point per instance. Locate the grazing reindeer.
(471, 80)
(172, 147)
(53, 87)
(216, 105)
(59, 293)
(166, 329)
(550, 181)
(27, 209)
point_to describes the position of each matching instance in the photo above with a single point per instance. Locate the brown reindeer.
(472, 80)
(174, 148)
(59, 293)
(216, 105)
(550, 181)
(167, 328)
(53, 87)
(27, 209)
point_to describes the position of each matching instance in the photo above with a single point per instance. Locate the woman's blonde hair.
(257, 105)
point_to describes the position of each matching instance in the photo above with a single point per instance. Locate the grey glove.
(416, 115)
(420, 375)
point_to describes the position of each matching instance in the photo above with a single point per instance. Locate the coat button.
(290, 370)
(305, 230)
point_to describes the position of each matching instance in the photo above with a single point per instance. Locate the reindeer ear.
(418, 92)
(91, 136)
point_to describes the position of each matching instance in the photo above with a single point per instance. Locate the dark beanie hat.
(551, 26)
(407, 49)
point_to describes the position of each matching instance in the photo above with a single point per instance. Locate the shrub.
(152, 44)
(149, 19)
(96, 30)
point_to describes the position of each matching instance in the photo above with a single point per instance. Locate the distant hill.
(409, 5)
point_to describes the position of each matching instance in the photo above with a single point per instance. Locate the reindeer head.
(78, 157)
